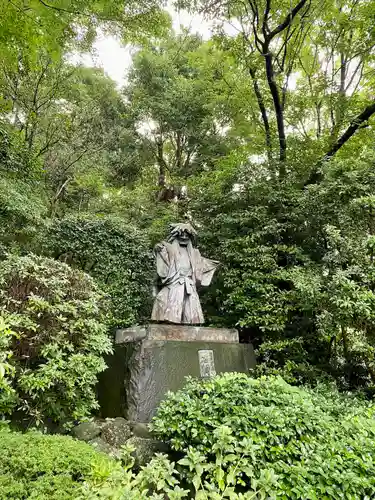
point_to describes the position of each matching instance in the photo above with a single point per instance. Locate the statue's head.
(183, 233)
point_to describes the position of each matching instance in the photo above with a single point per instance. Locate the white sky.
(115, 58)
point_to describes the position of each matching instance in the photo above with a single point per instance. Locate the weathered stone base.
(185, 333)
(150, 361)
(109, 435)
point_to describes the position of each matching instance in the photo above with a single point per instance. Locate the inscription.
(206, 363)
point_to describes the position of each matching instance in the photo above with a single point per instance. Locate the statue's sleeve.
(162, 263)
(208, 268)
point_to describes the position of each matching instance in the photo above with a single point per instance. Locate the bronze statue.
(180, 269)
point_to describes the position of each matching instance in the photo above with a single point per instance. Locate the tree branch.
(67, 167)
(358, 122)
(350, 131)
(61, 188)
(47, 145)
(265, 18)
(60, 9)
(271, 78)
(288, 20)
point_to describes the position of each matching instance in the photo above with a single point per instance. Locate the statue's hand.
(158, 247)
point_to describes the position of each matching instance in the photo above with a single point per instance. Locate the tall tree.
(310, 63)
(180, 102)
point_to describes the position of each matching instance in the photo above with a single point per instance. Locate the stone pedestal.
(151, 360)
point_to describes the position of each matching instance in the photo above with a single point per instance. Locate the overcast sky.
(115, 58)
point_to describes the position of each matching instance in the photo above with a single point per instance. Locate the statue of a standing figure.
(180, 268)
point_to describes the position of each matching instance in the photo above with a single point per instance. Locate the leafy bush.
(33, 465)
(54, 312)
(22, 214)
(157, 480)
(267, 436)
(37, 466)
(8, 395)
(290, 271)
(116, 255)
(15, 157)
(240, 438)
(23, 202)
(289, 359)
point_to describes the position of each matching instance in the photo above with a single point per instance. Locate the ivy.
(116, 255)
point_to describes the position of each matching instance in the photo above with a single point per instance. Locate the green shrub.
(33, 465)
(267, 436)
(116, 255)
(289, 359)
(54, 312)
(42, 467)
(157, 480)
(22, 214)
(8, 395)
(45, 467)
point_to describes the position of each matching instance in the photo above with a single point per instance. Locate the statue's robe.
(180, 270)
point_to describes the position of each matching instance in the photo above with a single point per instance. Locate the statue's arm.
(162, 259)
(208, 270)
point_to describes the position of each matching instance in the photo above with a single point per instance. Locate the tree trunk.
(263, 112)
(162, 165)
(278, 109)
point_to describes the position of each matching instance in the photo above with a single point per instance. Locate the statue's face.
(184, 238)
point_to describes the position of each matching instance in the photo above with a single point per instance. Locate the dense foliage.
(53, 339)
(33, 465)
(116, 255)
(265, 435)
(292, 273)
(233, 436)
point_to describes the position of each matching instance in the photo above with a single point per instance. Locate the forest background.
(262, 136)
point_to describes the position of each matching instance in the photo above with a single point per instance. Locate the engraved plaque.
(206, 363)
